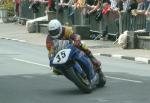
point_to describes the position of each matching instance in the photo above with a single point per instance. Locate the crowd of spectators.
(102, 7)
(133, 7)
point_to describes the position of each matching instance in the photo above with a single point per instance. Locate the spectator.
(147, 2)
(51, 5)
(97, 5)
(42, 1)
(132, 5)
(148, 6)
(71, 2)
(105, 20)
(147, 13)
(119, 6)
(113, 4)
(141, 5)
(141, 8)
(90, 2)
(93, 7)
(103, 7)
(74, 3)
(17, 4)
(117, 10)
(34, 6)
(148, 10)
(71, 8)
(80, 3)
(122, 6)
(125, 5)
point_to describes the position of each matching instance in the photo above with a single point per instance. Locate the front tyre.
(83, 84)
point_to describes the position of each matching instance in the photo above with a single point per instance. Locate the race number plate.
(62, 56)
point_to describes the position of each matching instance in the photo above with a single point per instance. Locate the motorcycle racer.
(57, 31)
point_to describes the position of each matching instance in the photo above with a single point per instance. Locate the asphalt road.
(25, 77)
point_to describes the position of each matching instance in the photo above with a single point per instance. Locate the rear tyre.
(83, 84)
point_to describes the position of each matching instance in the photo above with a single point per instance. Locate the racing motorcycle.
(75, 65)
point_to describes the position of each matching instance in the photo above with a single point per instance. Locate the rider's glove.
(77, 43)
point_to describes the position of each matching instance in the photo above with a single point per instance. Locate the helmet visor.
(54, 32)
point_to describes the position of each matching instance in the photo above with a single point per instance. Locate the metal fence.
(25, 12)
(116, 23)
(131, 23)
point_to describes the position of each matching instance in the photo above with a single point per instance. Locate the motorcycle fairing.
(81, 58)
(62, 56)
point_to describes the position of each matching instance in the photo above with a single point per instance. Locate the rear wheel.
(83, 84)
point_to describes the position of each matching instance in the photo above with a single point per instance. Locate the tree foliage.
(9, 5)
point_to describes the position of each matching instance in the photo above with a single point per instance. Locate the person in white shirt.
(113, 4)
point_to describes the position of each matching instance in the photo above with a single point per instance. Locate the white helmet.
(55, 28)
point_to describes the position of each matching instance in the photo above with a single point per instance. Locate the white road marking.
(116, 56)
(27, 76)
(96, 54)
(129, 80)
(140, 59)
(12, 39)
(30, 62)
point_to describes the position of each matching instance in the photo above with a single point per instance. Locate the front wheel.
(83, 84)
